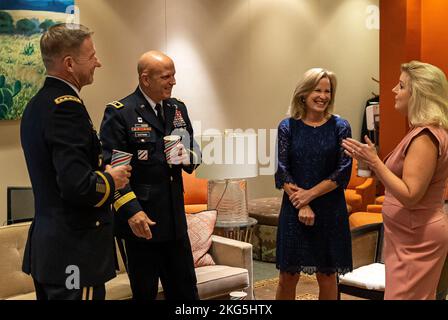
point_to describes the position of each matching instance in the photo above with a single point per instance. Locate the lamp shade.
(226, 171)
(228, 156)
(226, 161)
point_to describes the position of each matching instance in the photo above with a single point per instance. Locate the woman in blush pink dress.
(414, 177)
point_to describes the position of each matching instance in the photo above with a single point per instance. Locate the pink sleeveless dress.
(416, 237)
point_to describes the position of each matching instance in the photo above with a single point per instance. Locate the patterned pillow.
(200, 229)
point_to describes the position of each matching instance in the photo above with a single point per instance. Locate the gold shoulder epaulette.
(67, 98)
(116, 104)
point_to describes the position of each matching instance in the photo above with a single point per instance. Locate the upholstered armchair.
(233, 270)
(195, 193)
(367, 280)
(379, 200)
(360, 191)
(361, 218)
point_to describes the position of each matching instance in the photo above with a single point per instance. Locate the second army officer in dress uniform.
(69, 251)
(150, 214)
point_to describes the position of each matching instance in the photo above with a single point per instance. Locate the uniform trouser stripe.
(87, 293)
(57, 292)
(125, 254)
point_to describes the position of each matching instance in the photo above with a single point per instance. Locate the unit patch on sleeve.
(142, 155)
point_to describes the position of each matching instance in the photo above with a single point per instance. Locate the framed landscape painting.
(21, 69)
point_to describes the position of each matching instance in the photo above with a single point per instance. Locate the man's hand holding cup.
(181, 156)
(120, 174)
(175, 151)
(120, 170)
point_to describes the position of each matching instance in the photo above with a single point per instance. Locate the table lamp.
(227, 160)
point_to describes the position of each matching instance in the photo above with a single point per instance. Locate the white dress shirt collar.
(150, 101)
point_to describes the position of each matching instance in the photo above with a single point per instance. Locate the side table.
(241, 230)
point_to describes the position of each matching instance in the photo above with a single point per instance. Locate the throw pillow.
(200, 229)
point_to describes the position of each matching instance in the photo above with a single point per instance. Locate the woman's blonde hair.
(304, 88)
(428, 104)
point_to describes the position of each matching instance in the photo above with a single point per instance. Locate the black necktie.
(159, 114)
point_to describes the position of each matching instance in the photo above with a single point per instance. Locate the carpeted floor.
(306, 289)
(266, 281)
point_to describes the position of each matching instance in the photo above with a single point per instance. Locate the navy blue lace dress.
(307, 156)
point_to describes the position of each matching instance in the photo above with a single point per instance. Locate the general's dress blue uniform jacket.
(155, 187)
(73, 223)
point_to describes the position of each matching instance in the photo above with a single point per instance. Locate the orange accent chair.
(195, 193)
(360, 191)
(379, 200)
(373, 213)
(358, 219)
(376, 208)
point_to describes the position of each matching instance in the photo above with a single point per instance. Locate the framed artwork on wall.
(22, 72)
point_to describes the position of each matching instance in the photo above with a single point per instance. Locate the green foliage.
(17, 87)
(16, 66)
(28, 50)
(6, 22)
(27, 26)
(23, 26)
(7, 93)
(44, 26)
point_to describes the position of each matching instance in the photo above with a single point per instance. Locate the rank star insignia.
(67, 98)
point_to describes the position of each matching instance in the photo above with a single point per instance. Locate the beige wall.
(237, 62)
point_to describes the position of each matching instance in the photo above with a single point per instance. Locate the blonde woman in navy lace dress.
(313, 232)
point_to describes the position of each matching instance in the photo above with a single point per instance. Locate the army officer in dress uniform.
(150, 214)
(69, 251)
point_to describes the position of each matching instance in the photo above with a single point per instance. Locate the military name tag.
(141, 127)
(142, 134)
(142, 155)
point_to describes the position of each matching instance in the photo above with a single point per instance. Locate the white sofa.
(233, 269)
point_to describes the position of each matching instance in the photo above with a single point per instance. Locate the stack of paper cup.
(120, 158)
(170, 146)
